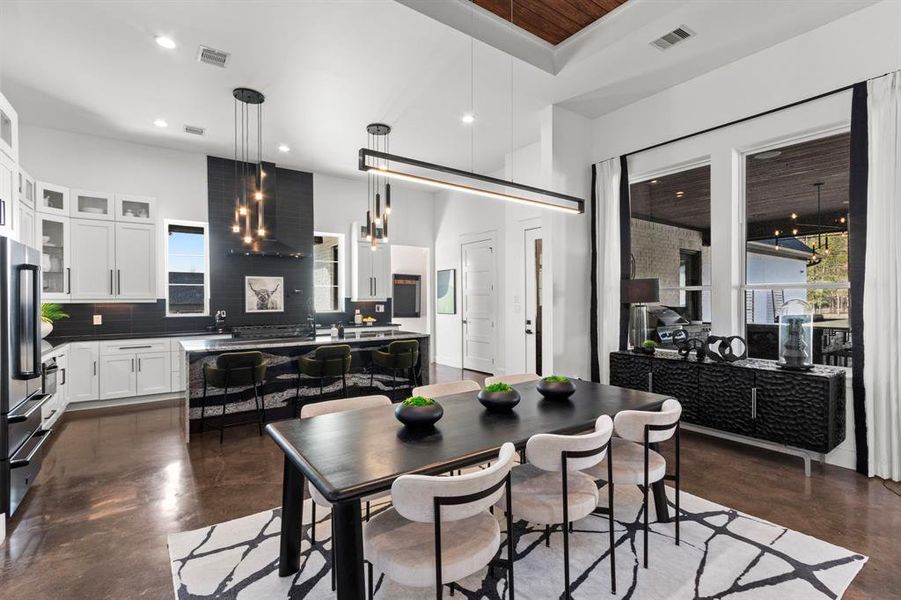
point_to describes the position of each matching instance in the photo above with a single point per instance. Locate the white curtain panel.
(882, 288)
(608, 252)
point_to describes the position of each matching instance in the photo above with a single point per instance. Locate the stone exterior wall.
(656, 247)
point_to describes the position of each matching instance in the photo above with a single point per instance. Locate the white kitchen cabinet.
(92, 205)
(26, 225)
(52, 233)
(82, 377)
(9, 130)
(27, 189)
(135, 209)
(153, 373)
(93, 260)
(371, 272)
(117, 376)
(135, 261)
(52, 199)
(9, 194)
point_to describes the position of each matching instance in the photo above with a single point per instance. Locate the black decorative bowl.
(649, 351)
(418, 417)
(556, 390)
(499, 401)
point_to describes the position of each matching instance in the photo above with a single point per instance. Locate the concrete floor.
(118, 481)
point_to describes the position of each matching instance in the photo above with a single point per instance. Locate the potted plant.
(649, 347)
(49, 314)
(418, 412)
(556, 387)
(498, 397)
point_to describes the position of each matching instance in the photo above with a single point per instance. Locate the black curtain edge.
(857, 226)
(593, 304)
(625, 245)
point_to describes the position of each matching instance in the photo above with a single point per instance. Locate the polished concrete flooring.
(117, 482)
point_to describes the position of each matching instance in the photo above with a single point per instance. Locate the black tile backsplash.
(367, 309)
(122, 319)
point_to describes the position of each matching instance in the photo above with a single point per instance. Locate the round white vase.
(46, 328)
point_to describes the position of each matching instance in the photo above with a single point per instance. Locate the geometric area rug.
(724, 554)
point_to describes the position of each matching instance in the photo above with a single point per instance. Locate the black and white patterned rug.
(723, 554)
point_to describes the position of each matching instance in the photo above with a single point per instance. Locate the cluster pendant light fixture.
(820, 248)
(378, 206)
(249, 174)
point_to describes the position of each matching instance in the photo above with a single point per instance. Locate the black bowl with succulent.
(499, 397)
(418, 412)
(649, 347)
(556, 387)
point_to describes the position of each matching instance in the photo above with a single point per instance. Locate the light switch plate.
(98, 319)
(379, 308)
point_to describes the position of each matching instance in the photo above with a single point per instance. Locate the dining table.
(354, 454)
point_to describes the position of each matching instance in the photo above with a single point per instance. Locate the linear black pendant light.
(376, 228)
(244, 211)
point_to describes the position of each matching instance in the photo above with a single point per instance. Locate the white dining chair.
(512, 379)
(440, 529)
(635, 462)
(550, 489)
(328, 407)
(446, 389)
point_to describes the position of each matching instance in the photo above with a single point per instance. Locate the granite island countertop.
(357, 336)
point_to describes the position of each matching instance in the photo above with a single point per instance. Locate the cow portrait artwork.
(264, 294)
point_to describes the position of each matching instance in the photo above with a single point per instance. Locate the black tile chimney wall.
(288, 215)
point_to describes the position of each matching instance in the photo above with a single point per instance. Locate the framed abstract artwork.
(447, 292)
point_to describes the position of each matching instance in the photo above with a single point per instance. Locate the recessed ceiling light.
(468, 118)
(160, 123)
(654, 182)
(166, 42)
(767, 154)
(283, 148)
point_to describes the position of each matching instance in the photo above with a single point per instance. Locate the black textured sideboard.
(752, 398)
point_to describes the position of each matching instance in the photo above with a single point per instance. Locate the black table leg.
(349, 549)
(658, 489)
(292, 518)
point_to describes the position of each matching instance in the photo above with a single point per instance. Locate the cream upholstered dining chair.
(512, 379)
(324, 408)
(633, 460)
(440, 529)
(550, 488)
(446, 389)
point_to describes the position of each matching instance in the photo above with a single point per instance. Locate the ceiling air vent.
(194, 130)
(211, 56)
(665, 42)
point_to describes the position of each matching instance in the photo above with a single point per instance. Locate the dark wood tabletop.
(352, 454)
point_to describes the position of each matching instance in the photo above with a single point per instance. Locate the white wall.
(176, 179)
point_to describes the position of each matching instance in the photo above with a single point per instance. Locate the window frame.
(206, 265)
(341, 270)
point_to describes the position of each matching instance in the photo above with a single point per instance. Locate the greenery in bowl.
(418, 401)
(51, 312)
(649, 344)
(498, 387)
(556, 379)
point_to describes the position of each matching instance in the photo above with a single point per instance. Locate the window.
(328, 271)
(797, 244)
(186, 269)
(670, 232)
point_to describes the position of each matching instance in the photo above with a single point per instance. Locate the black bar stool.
(402, 355)
(235, 370)
(325, 361)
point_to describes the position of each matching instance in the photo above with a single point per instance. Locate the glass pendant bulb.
(236, 228)
(242, 211)
(258, 195)
(247, 239)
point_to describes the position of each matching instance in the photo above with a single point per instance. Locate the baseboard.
(118, 402)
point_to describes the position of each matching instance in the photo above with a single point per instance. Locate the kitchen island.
(280, 387)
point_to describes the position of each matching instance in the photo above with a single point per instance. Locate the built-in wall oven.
(21, 396)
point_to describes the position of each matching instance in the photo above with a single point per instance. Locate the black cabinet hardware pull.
(134, 347)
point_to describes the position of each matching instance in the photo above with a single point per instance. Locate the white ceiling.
(330, 67)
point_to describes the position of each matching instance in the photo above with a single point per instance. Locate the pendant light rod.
(369, 162)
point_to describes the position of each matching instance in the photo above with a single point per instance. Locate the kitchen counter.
(55, 344)
(351, 337)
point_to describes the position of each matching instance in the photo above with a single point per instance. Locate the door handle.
(132, 365)
(111, 282)
(2, 211)
(95, 368)
(754, 403)
(528, 332)
(63, 382)
(139, 365)
(68, 280)
(118, 282)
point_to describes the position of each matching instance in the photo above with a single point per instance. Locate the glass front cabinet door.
(53, 238)
(26, 189)
(137, 209)
(92, 205)
(53, 199)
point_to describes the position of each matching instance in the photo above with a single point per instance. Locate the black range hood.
(270, 248)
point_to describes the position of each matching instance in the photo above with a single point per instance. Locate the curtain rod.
(743, 119)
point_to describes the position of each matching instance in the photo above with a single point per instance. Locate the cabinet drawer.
(134, 346)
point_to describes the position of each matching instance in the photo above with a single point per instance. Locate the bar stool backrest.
(236, 369)
(630, 424)
(446, 389)
(334, 354)
(405, 353)
(545, 450)
(413, 496)
(342, 404)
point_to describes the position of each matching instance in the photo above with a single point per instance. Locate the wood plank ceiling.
(551, 20)
(777, 186)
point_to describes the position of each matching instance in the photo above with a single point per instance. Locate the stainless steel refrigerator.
(21, 397)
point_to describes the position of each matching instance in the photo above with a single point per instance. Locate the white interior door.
(479, 305)
(93, 258)
(533, 252)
